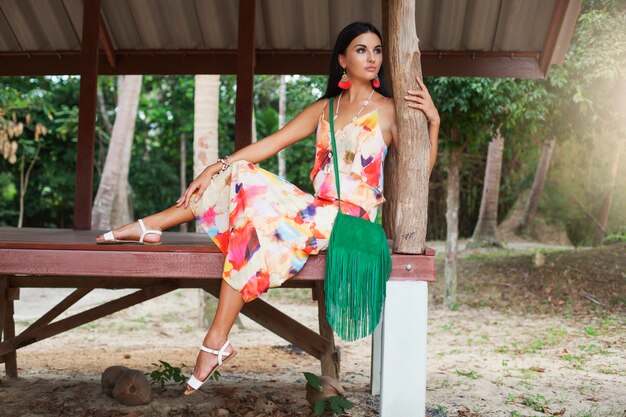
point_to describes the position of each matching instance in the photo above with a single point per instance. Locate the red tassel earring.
(376, 82)
(345, 81)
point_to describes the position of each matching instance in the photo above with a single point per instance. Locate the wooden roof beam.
(105, 41)
(171, 62)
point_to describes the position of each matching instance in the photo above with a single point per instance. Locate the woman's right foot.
(132, 232)
(208, 362)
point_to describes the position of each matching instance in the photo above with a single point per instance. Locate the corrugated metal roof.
(135, 25)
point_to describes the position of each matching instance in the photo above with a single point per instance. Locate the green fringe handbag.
(358, 265)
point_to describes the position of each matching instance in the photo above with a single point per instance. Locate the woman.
(265, 226)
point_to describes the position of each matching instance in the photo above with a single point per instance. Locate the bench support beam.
(289, 329)
(11, 343)
(66, 303)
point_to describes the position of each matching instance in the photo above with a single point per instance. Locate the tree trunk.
(205, 128)
(183, 171)
(24, 176)
(606, 204)
(407, 199)
(102, 142)
(530, 210)
(485, 233)
(282, 105)
(121, 212)
(117, 160)
(205, 152)
(452, 227)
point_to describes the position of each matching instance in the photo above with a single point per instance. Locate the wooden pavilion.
(486, 38)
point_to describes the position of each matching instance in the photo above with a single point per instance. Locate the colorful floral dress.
(267, 227)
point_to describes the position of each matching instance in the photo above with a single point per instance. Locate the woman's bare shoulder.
(318, 105)
(387, 111)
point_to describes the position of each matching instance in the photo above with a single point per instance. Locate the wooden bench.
(61, 258)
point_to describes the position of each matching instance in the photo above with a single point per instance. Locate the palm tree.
(112, 187)
(205, 152)
(485, 232)
(530, 210)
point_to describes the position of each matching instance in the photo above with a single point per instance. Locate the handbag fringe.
(355, 282)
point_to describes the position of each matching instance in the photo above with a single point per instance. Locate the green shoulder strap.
(331, 119)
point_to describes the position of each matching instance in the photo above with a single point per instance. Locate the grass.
(591, 331)
(550, 338)
(468, 374)
(447, 326)
(576, 361)
(589, 412)
(535, 401)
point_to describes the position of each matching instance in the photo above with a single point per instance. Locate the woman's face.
(363, 57)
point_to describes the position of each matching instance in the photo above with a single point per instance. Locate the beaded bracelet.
(225, 164)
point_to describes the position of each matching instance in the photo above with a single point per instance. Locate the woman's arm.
(298, 128)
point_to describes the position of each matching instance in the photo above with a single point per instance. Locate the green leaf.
(319, 406)
(334, 404)
(313, 380)
(345, 403)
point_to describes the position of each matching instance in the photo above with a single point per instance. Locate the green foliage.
(335, 404)
(166, 373)
(313, 381)
(468, 374)
(611, 239)
(535, 401)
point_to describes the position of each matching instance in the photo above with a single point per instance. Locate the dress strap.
(324, 108)
(385, 101)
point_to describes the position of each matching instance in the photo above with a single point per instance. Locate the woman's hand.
(421, 100)
(196, 188)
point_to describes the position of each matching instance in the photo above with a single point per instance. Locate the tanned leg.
(228, 307)
(162, 220)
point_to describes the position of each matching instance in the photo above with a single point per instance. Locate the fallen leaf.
(464, 412)
(546, 410)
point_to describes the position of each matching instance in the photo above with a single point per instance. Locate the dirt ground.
(525, 340)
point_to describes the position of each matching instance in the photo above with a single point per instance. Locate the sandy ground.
(481, 363)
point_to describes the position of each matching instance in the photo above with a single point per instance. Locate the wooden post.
(409, 199)
(83, 193)
(401, 343)
(9, 295)
(245, 73)
(4, 284)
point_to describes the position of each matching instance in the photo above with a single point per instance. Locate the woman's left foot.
(209, 360)
(136, 232)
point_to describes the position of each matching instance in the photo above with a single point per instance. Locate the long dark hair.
(344, 38)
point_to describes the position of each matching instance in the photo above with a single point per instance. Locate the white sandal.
(110, 239)
(194, 382)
